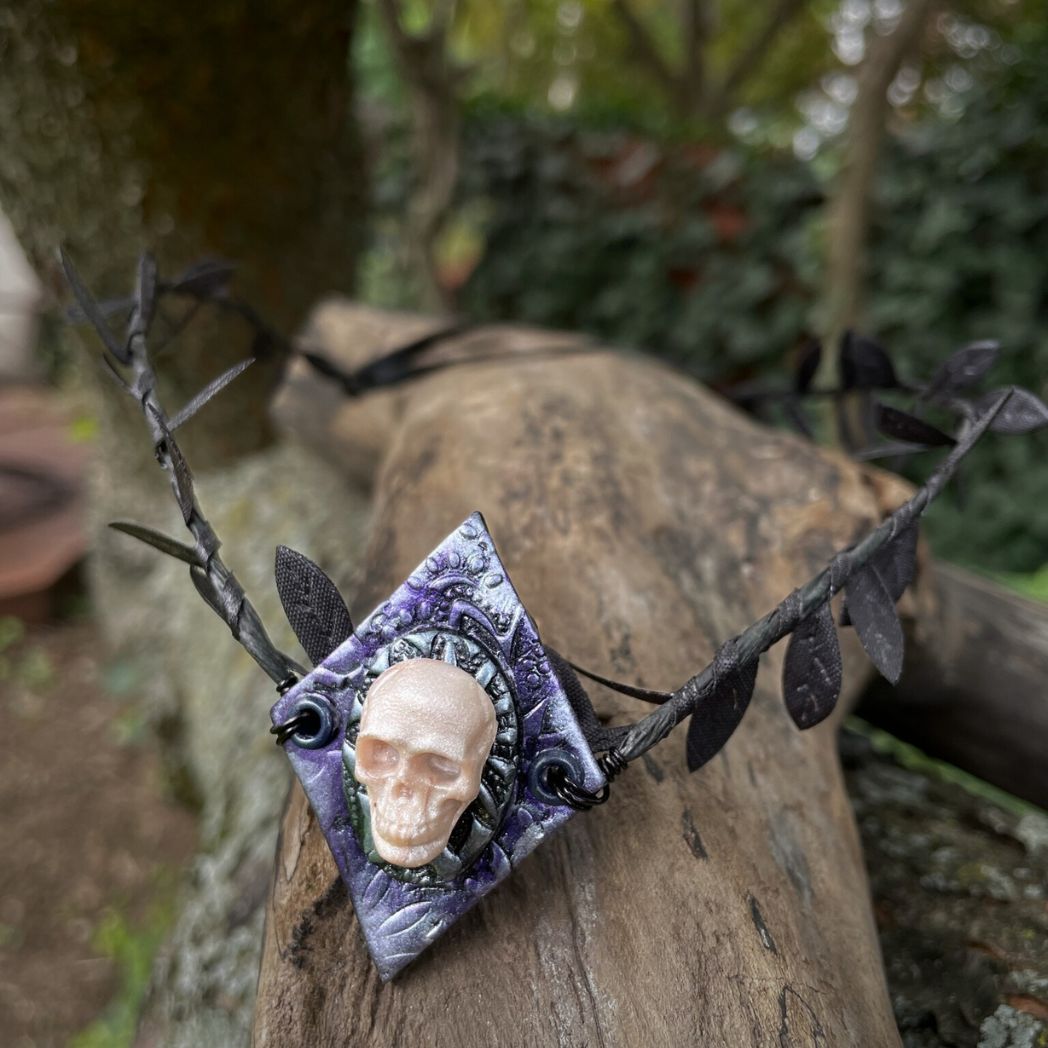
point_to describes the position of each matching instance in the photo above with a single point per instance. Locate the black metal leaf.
(895, 564)
(865, 364)
(807, 366)
(181, 477)
(263, 344)
(872, 613)
(209, 391)
(714, 722)
(157, 540)
(145, 291)
(325, 367)
(91, 310)
(812, 672)
(899, 424)
(890, 450)
(312, 603)
(110, 371)
(963, 368)
(205, 279)
(795, 414)
(1023, 412)
(108, 307)
(252, 635)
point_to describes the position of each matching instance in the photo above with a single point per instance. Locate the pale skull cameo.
(425, 732)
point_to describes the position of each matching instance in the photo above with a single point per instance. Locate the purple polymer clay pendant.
(459, 607)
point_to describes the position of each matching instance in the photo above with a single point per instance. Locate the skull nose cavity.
(405, 788)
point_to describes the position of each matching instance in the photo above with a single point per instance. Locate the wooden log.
(974, 689)
(643, 521)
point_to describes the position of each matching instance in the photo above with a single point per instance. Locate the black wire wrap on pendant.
(572, 794)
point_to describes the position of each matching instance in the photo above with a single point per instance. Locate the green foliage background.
(960, 252)
(687, 243)
(708, 258)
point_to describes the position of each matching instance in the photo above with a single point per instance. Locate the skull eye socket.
(439, 770)
(377, 757)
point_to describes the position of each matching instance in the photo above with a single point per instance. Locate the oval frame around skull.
(480, 822)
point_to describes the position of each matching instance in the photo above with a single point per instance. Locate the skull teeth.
(404, 832)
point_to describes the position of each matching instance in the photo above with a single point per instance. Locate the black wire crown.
(873, 574)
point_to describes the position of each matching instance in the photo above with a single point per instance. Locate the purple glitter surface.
(462, 587)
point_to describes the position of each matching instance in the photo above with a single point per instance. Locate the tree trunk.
(222, 128)
(197, 128)
(431, 78)
(644, 521)
(974, 690)
(849, 206)
(219, 128)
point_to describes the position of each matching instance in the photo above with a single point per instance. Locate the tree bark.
(425, 65)
(849, 206)
(750, 58)
(222, 128)
(218, 128)
(643, 521)
(690, 89)
(643, 50)
(159, 126)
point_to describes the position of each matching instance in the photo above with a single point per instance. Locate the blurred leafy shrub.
(959, 252)
(703, 256)
(713, 259)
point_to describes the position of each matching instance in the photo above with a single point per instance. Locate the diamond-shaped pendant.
(459, 608)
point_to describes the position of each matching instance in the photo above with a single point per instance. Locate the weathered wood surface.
(974, 689)
(643, 521)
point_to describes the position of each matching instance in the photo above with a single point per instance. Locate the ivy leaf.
(716, 720)
(963, 368)
(1023, 412)
(872, 612)
(812, 672)
(903, 426)
(865, 364)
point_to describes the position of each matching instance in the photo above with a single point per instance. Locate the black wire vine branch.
(212, 578)
(745, 649)
(873, 573)
(866, 368)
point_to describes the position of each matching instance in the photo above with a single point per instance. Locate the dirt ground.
(91, 843)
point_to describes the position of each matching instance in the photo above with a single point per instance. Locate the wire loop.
(285, 729)
(572, 794)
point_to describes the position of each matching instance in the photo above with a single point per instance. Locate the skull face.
(425, 732)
